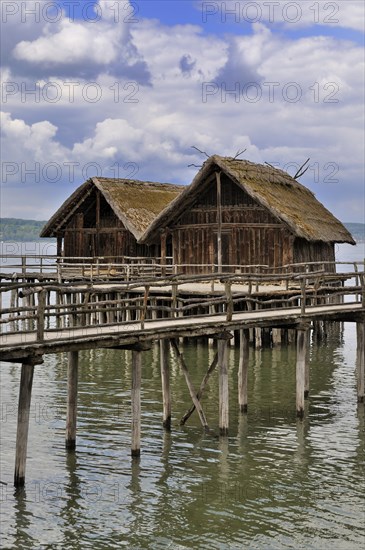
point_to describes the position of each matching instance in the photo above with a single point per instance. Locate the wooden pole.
(59, 246)
(136, 402)
(25, 394)
(306, 374)
(243, 370)
(72, 382)
(165, 379)
(360, 329)
(223, 387)
(191, 389)
(300, 371)
(163, 252)
(219, 221)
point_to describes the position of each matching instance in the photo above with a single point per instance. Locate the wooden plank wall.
(250, 234)
(305, 251)
(84, 237)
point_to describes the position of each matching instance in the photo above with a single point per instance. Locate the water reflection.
(276, 482)
(71, 512)
(23, 520)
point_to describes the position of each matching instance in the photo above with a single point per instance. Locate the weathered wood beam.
(201, 389)
(72, 384)
(59, 246)
(181, 361)
(300, 370)
(223, 387)
(243, 370)
(138, 346)
(73, 209)
(136, 403)
(360, 367)
(163, 251)
(165, 380)
(219, 219)
(25, 394)
(307, 372)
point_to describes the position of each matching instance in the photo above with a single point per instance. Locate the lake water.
(276, 482)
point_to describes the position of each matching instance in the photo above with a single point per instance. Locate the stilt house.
(106, 217)
(235, 213)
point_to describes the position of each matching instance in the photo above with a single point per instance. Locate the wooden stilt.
(192, 391)
(360, 329)
(165, 379)
(243, 370)
(258, 338)
(136, 402)
(306, 374)
(223, 387)
(25, 393)
(276, 336)
(201, 390)
(300, 370)
(72, 381)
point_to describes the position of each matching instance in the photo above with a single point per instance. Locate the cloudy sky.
(126, 88)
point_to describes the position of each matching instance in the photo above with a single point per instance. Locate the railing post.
(174, 299)
(229, 305)
(41, 314)
(145, 302)
(303, 283)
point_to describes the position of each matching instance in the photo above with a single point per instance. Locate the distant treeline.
(14, 229)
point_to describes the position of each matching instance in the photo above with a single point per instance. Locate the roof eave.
(49, 230)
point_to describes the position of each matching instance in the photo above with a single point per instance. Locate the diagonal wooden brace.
(181, 361)
(201, 390)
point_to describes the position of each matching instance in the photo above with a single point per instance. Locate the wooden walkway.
(19, 345)
(41, 316)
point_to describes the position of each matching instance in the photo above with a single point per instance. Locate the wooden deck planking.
(203, 325)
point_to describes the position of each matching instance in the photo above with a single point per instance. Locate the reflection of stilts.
(360, 330)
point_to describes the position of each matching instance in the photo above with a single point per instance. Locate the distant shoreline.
(22, 231)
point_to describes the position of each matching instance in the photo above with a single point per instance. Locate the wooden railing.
(50, 306)
(129, 268)
(103, 267)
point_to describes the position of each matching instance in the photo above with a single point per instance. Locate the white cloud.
(169, 115)
(74, 42)
(163, 48)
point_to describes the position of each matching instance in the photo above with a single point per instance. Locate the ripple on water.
(275, 483)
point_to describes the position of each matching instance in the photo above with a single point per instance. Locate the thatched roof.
(135, 203)
(289, 201)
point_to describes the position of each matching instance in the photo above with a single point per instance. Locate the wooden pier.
(52, 311)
